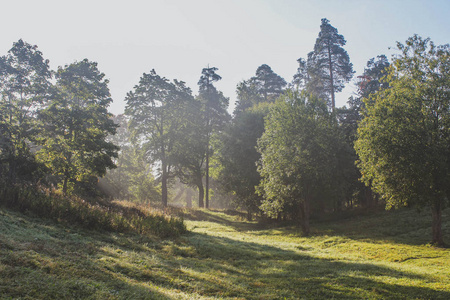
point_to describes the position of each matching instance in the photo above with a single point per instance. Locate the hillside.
(373, 257)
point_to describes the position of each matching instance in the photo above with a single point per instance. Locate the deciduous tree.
(296, 155)
(404, 139)
(156, 108)
(76, 124)
(24, 88)
(238, 157)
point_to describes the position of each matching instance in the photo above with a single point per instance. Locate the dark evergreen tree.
(349, 117)
(371, 81)
(265, 86)
(328, 66)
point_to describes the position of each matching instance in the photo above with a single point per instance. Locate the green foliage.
(214, 111)
(265, 86)
(24, 88)
(297, 155)
(237, 156)
(328, 66)
(371, 80)
(133, 178)
(192, 155)
(157, 117)
(404, 139)
(142, 184)
(75, 126)
(348, 118)
(214, 103)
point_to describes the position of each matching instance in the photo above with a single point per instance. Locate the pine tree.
(215, 105)
(328, 66)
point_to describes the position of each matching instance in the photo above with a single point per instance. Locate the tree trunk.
(436, 212)
(201, 194)
(330, 65)
(66, 180)
(164, 185)
(201, 191)
(249, 214)
(64, 190)
(304, 216)
(207, 178)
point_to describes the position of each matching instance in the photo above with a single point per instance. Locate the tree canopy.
(156, 112)
(265, 86)
(327, 67)
(215, 113)
(76, 124)
(296, 154)
(25, 84)
(404, 138)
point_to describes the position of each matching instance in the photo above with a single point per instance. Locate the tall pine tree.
(215, 106)
(328, 66)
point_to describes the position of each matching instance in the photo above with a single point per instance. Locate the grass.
(93, 213)
(383, 256)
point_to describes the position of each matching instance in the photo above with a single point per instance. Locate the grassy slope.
(380, 256)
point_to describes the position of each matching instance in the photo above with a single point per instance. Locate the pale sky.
(178, 38)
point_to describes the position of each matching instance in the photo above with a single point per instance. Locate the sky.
(178, 38)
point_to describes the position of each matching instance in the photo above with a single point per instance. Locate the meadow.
(379, 256)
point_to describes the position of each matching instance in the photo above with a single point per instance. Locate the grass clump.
(93, 214)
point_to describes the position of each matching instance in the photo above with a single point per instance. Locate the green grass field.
(381, 256)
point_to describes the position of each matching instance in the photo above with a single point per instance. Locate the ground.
(378, 256)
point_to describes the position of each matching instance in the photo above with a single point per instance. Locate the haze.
(179, 38)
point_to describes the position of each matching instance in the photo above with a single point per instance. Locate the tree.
(76, 124)
(116, 182)
(368, 83)
(156, 108)
(371, 80)
(296, 154)
(215, 112)
(25, 87)
(269, 84)
(142, 186)
(191, 157)
(404, 139)
(238, 157)
(132, 179)
(328, 66)
(265, 86)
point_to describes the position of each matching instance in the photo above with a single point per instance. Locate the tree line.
(286, 152)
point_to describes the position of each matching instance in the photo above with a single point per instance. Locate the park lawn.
(379, 256)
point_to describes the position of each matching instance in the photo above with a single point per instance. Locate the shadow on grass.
(252, 270)
(43, 261)
(404, 226)
(230, 218)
